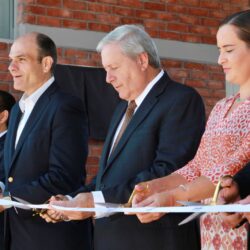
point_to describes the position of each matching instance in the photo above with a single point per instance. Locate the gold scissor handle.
(216, 193)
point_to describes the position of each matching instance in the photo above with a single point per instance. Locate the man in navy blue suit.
(45, 149)
(162, 136)
(6, 103)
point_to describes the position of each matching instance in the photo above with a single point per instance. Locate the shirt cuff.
(2, 187)
(99, 198)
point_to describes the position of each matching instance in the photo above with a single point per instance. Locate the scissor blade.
(108, 204)
(190, 218)
(24, 204)
(190, 203)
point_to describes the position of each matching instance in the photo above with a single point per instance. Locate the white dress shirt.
(97, 195)
(27, 103)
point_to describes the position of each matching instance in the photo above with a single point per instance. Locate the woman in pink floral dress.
(224, 148)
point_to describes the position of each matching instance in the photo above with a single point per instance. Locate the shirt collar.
(151, 84)
(30, 101)
(3, 133)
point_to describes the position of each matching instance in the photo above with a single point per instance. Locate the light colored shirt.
(97, 195)
(27, 103)
(2, 186)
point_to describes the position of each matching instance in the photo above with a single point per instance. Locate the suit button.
(10, 179)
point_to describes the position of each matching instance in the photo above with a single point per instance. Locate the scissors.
(123, 205)
(197, 214)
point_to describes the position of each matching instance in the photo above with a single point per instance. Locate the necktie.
(128, 116)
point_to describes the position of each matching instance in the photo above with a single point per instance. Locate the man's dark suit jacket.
(49, 159)
(162, 136)
(2, 139)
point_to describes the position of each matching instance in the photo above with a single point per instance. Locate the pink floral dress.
(224, 149)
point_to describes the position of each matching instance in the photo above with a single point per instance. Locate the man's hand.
(81, 200)
(1, 207)
(229, 192)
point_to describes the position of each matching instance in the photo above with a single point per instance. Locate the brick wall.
(183, 20)
(193, 21)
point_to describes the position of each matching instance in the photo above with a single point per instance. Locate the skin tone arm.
(196, 190)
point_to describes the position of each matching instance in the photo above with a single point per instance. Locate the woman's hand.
(155, 200)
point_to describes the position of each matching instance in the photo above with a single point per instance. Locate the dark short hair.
(241, 20)
(7, 101)
(46, 47)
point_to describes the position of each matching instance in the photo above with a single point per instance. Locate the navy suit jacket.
(49, 159)
(162, 136)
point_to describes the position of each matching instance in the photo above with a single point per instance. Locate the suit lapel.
(39, 109)
(11, 136)
(140, 115)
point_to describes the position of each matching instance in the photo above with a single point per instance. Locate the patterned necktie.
(128, 116)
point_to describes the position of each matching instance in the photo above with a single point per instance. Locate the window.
(6, 18)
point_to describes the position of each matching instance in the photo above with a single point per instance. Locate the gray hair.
(133, 40)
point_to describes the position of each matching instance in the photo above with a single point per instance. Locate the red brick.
(216, 76)
(169, 35)
(198, 12)
(190, 38)
(55, 3)
(190, 2)
(92, 160)
(129, 20)
(155, 6)
(194, 66)
(216, 84)
(75, 53)
(166, 16)
(219, 93)
(99, 27)
(211, 5)
(204, 92)
(179, 73)
(32, 19)
(83, 15)
(5, 77)
(48, 21)
(66, 13)
(131, 3)
(178, 9)
(177, 27)
(214, 68)
(73, 5)
(201, 30)
(118, 10)
(189, 19)
(217, 14)
(210, 22)
(35, 9)
(97, 7)
(115, 20)
(171, 64)
(208, 39)
(154, 24)
(4, 66)
(145, 14)
(4, 87)
(196, 83)
(3, 46)
(198, 74)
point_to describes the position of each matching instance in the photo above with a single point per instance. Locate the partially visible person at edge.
(45, 149)
(6, 103)
(235, 189)
(162, 136)
(224, 147)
